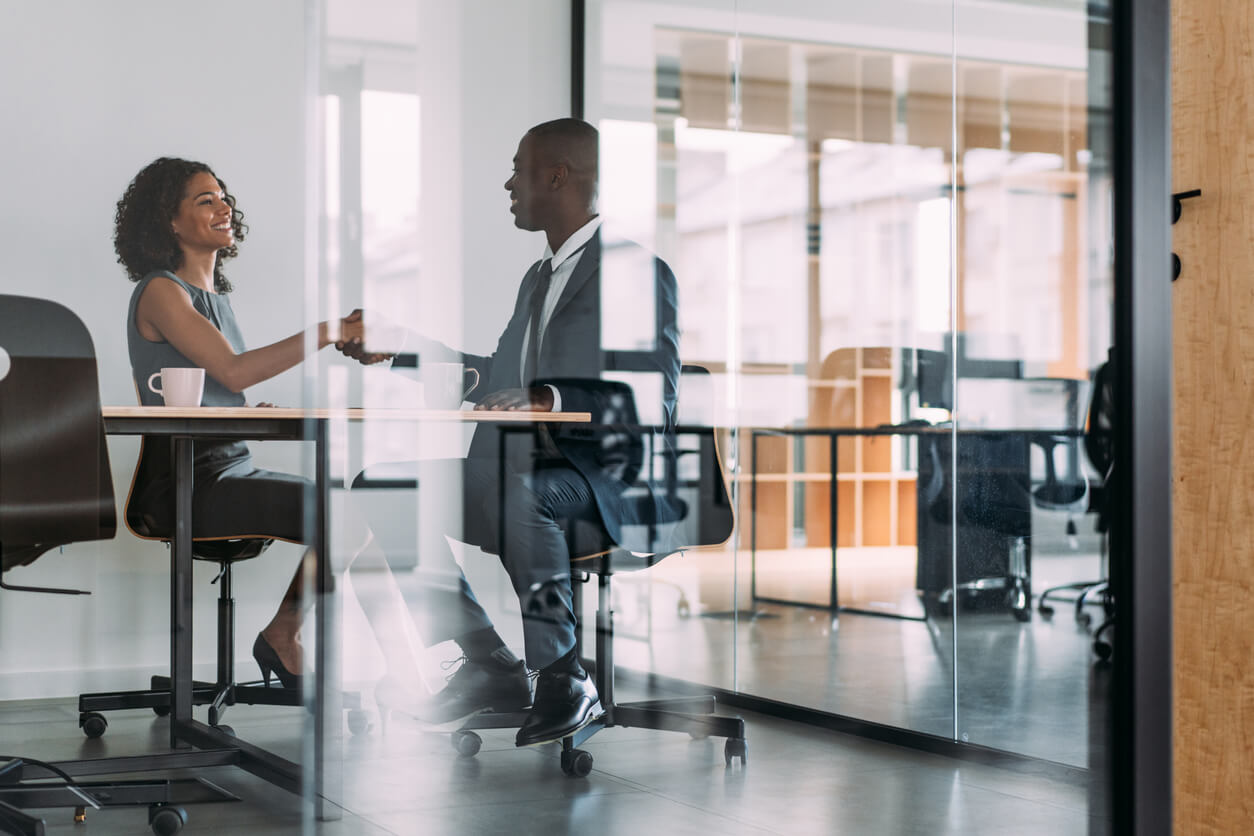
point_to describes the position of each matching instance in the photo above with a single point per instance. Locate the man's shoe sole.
(595, 712)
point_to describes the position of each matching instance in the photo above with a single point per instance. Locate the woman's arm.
(165, 312)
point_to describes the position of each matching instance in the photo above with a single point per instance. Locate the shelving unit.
(875, 493)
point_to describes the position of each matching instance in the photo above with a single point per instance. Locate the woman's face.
(203, 221)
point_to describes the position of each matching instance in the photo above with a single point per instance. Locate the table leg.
(833, 515)
(753, 517)
(327, 728)
(181, 590)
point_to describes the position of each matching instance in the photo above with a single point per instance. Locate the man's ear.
(559, 175)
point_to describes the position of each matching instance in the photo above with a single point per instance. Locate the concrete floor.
(1027, 688)
(798, 780)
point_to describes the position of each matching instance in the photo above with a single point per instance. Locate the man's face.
(529, 187)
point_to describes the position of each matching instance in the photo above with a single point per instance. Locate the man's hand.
(354, 345)
(534, 399)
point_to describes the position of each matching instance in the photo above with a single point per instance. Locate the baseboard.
(59, 684)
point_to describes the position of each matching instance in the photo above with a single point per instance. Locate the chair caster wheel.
(1019, 602)
(683, 608)
(1045, 610)
(736, 747)
(699, 734)
(161, 710)
(166, 821)
(1084, 620)
(358, 721)
(576, 763)
(1103, 649)
(93, 724)
(467, 743)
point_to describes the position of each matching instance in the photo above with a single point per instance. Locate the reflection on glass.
(806, 192)
(889, 261)
(884, 236)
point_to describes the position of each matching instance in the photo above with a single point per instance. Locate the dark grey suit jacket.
(609, 452)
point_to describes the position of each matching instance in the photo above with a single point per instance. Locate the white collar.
(576, 240)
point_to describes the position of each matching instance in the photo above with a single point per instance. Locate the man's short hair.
(573, 141)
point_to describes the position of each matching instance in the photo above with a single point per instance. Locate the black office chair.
(1099, 446)
(224, 690)
(1094, 499)
(989, 497)
(56, 488)
(702, 510)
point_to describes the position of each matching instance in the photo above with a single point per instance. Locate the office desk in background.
(182, 426)
(1016, 579)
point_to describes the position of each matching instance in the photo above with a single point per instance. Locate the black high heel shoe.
(269, 661)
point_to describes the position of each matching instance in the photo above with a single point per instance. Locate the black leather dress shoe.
(477, 687)
(564, 704)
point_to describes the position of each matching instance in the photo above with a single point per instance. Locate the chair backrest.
(55, 483)
(713, 518)
(1099, 442)
(691, 473)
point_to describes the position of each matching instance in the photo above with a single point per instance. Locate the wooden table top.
(345, 414)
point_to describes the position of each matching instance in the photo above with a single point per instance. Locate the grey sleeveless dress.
(230, 497)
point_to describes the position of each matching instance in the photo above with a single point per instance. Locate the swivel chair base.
(217, 695)
(1086, 590)
(26, 783)
(694, 715)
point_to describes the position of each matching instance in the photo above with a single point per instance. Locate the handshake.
(351, 341)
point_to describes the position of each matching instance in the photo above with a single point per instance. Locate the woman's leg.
(381, 600)
(283, 631)
(378, 594)
(281, 498)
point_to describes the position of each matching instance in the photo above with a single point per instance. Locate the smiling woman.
(168, 191)
(175, 226)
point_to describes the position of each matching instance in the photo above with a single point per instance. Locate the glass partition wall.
(891, 233)
(889, 229)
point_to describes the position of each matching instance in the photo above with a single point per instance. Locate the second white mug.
(179, 387)
(446, 385)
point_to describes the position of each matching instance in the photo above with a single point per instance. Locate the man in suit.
(568, 493)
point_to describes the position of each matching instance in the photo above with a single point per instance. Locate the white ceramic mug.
(179, 387)
(446, 385)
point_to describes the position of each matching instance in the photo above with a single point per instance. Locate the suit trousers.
(520, 511)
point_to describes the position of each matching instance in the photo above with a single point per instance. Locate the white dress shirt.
(564, 262)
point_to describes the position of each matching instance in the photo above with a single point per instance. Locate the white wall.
(488, 72)
(92, 92)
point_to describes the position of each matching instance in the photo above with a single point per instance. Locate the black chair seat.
(228, 551)
(1060, 496)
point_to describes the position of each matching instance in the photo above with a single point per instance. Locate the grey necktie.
(538, 294)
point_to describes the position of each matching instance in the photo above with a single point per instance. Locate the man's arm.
(390, 342)
(603, 400)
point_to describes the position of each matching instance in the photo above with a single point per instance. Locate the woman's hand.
(352, 341)
(352, 328)
(348, 330)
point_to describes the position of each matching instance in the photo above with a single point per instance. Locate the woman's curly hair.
(142, 234)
